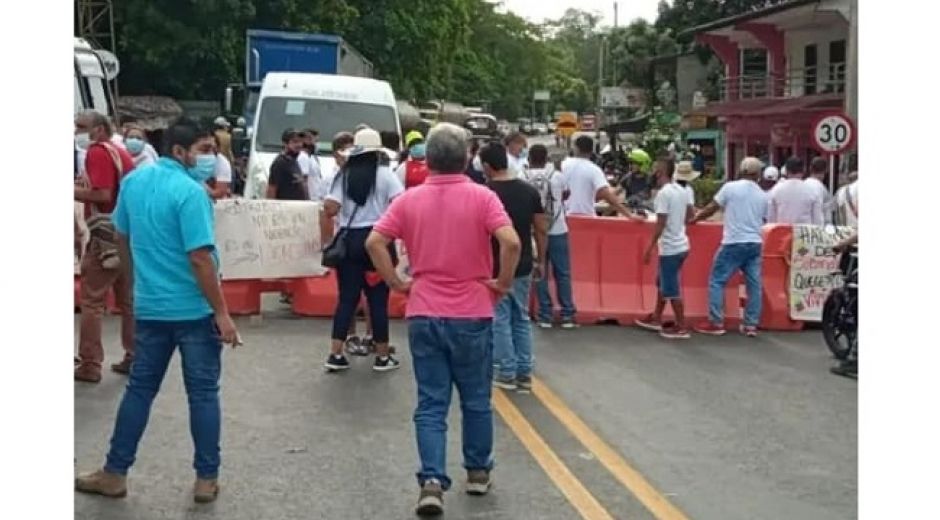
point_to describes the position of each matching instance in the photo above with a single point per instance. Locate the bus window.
(79, 100)
(99, 95)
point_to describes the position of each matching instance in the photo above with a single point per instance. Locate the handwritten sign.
(263, 239)
(814, 270)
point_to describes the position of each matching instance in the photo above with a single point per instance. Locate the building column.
(730, 56)
(772, 40)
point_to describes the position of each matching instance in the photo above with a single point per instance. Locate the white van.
(328, 103)
(93, 70)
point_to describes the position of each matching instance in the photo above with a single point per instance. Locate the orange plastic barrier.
(315, 296)
(243, 297)
(610, 281)
(775, 275)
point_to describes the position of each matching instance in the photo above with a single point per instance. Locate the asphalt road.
(714, 428)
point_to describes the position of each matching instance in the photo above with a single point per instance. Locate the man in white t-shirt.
(552, 186)
(674, 206)
(587, 182)
(818, 169)
(745, 205)
(846, 199)
(793, 200)
(310, 164)
(516, 154)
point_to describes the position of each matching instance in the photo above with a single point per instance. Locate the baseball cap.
(771, 173)
(221, 121)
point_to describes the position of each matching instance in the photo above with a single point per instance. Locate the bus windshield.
(327, 116)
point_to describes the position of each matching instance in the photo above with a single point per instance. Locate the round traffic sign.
(833, 133)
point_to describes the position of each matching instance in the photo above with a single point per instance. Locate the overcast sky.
(540, 10)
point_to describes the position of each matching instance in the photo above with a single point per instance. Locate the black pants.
(351, 276)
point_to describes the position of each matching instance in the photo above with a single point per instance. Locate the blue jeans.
(512, 331)
(729, 259)
(559, 259)
(154, 343)
(447, 352)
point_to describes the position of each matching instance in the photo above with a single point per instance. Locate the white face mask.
(82, 140)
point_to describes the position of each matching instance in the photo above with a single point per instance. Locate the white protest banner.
(264, 239)
(814, 269)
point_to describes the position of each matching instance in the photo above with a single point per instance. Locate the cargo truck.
(280, 51)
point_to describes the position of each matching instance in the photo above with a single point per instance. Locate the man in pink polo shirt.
(446, 225)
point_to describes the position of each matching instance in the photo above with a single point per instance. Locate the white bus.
(93, 70)
(326, 102)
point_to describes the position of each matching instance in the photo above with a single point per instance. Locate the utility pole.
(615, 15)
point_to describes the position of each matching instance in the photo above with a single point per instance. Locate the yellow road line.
(655, 502)
(578, 495)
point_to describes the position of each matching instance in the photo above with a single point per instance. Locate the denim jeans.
(447, 352)
(154, 343)
(512, 331)
(729, 259)
(559, 259)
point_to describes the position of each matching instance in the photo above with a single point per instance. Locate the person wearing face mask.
(104, 265)
(135, 142)
(286, 179)
(165, 217)
(414, 170)
(517, 153)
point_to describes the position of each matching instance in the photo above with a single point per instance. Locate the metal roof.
(750, 15)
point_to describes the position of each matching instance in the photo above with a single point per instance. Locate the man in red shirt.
(105, 165)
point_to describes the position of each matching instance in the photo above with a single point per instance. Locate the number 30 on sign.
(833, 133)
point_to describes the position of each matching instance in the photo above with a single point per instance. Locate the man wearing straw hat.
(674, 206)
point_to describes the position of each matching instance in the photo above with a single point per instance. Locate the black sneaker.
(356, 347)
(385, 364)
(847, 368)
(524, 383)
(568, 323)
(431, 499)
(336, 363)
(506, 383)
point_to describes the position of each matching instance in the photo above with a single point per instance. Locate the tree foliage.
(469, 51)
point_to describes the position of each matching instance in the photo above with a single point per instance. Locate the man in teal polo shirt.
(165, 216)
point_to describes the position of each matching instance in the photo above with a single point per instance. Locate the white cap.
(221, 121)
(771, 173)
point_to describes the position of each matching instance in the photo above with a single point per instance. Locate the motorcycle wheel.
(838, 339)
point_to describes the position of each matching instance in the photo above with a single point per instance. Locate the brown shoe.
(205, 491)
(87, 374)
(124, 367)
(102, 483)
(478, 482)
(431, 499)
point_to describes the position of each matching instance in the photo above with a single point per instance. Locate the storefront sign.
(813, 269)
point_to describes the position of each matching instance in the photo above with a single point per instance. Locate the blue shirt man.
(162, 231)
(164, 214)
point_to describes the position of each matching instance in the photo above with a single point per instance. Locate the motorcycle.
(840, 311)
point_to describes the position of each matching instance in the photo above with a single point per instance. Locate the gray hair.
(447, 148)
(751, 166)
(96, 119)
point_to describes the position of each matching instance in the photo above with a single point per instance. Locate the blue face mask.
(418, 150)
(524, 154)
(134, 145)
(205, 167)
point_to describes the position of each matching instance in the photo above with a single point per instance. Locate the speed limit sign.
(833, 133)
